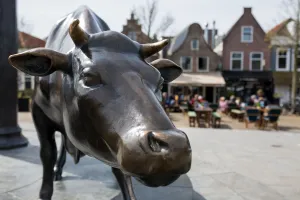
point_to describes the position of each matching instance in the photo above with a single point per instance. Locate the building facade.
(283, 59)
(246, 58)
(26, 42)
(199, 62)
(134, 31)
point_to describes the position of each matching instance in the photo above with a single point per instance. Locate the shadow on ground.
(90, 169)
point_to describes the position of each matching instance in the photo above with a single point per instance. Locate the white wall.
(284, 91)
(21, 81)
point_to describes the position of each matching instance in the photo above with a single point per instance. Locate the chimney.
(206, 33)
(213, 37)
(247, 10)
(132, 15)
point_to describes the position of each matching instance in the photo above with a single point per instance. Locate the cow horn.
(78, 35)
(148, 50)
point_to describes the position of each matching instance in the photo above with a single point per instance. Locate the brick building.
(134, 31)
(191, 50)
(246, 58)
(26, 42)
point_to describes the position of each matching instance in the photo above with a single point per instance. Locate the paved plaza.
(227, 165)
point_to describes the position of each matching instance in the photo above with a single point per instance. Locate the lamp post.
(10, 132)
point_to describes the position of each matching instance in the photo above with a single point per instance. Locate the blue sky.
(43, 14)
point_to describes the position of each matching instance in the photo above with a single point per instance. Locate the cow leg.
(125, 184)
(48, 150)
(61, 160)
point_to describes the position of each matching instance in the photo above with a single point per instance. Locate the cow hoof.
(57, 176)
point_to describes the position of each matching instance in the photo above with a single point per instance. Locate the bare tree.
(147, 15)
(291, 11)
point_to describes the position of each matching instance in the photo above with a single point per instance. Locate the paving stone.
(227, 164)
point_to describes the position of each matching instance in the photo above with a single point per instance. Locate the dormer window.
(247, 34)
(132, 35)
(195, 44)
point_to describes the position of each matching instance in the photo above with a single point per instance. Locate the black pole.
(10, 132)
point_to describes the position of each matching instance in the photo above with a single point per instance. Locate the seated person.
(197, 103)
(262, 102)
(231, 99)
(204, 103)
(252, 101)
(223, 104)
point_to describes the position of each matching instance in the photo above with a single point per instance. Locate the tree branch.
(147, 16)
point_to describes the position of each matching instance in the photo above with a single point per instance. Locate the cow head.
(111, 102)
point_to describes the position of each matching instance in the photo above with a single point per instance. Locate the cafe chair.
(215, 117)
(252, 116)
(272, 117)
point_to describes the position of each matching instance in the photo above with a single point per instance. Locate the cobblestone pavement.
(227, 165)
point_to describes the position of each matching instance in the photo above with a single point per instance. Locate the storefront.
(206, 84)
(283, 85)
(246, 83)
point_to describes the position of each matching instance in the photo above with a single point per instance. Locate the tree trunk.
(294, 80)
(10, 132)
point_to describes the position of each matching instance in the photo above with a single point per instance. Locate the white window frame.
(261, 60)
(31, 81)
(287, 65)
(293, 60)
(242, 34)
(135, 35)
(207, 66)
(185, 70)
(197, 48)
(242, 60)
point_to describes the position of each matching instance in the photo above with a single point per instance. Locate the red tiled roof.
(279, 27)
(29, 41)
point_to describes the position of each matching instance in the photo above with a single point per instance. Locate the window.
(256, 61)
(27, 81)
(195, 44)
(236, 60)
(132, 35)
(203, 63)
(247, 34)
(282, 59)
(186, 63)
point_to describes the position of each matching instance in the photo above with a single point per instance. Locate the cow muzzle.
(157, 154)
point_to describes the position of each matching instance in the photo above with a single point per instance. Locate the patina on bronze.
(94, 86)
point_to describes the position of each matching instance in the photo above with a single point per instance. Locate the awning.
(209, 79)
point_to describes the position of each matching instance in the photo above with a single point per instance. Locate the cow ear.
(168, 69)
(39, 61)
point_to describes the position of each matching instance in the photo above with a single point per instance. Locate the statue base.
(12, 138)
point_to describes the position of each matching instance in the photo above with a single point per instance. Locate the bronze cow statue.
(95, 87)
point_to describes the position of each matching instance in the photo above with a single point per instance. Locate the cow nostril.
(155, 144)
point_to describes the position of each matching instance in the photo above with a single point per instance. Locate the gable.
(280, 29)
(178, 41)
(247, 19)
